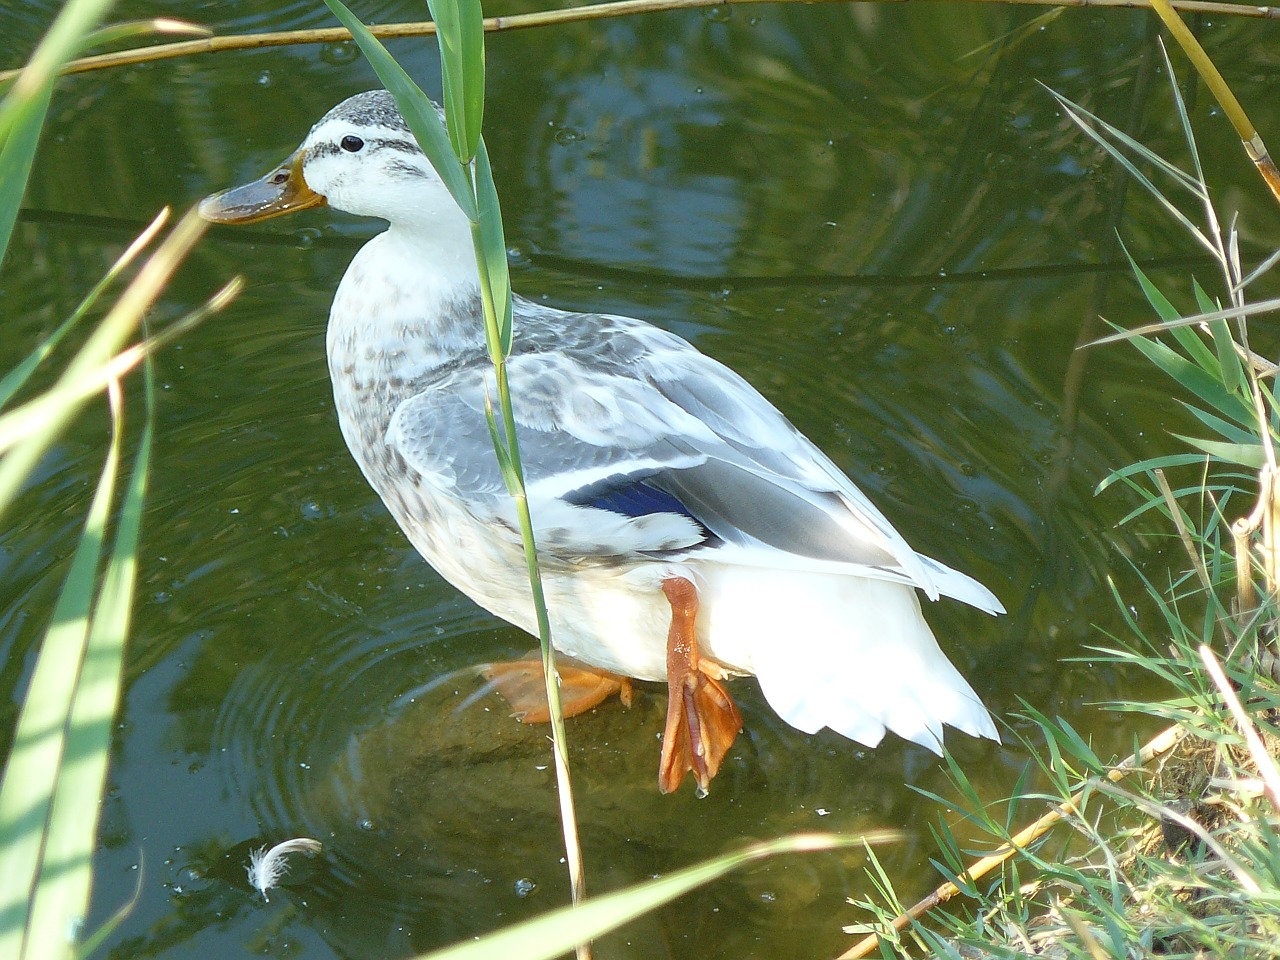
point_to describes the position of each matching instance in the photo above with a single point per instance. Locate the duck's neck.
(409, 303)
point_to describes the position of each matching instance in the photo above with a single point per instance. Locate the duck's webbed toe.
(702, 720)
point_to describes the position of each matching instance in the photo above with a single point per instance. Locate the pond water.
(875, 213)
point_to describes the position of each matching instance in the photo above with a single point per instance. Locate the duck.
(688, 533)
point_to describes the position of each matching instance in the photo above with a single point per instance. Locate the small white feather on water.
(267, 867)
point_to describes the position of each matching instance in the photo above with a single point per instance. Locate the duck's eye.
(351, 144)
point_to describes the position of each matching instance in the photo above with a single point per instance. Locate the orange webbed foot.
(702, 720)
(521, 684)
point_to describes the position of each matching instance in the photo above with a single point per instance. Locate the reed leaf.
(62, 888)
(460, 33)
(1230, 431)
(1146, 466)
(1194, 379)
(1251, 455)
(1085, 121)
(493, 246)
(17, 155)
(26, 103)
(40, 739)
(470, 180)
(115, 32)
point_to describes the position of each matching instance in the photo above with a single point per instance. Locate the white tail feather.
(849, 653)
(934, 578)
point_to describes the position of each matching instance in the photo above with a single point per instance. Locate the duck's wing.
(648, 448)
(589, 441)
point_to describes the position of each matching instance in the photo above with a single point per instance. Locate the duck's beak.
(283, 190)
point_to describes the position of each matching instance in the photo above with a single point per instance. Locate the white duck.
(687, 530)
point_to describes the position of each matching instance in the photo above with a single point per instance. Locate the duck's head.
(360, 158)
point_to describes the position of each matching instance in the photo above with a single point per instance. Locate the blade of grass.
(87, 947)
(138, 28)
(1180, 523)
(60, 42)
(17, 155)
(1163, 812)
(1079, 115)
(1145, 466)
(1225, 429)
(1193, 379)
(492, 247)
(1251, 455)
(477, 196)
(97, 351)
(12, 382)
(1260, 269)
(1257, 749)
(1095, 129)
(34, 416)
(63, 886)
(464, 89)
(30, 776)
(1228, 360)
(1242, 312)
(1161, 743)
(556, 933)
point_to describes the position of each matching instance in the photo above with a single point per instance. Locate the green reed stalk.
(460, 157)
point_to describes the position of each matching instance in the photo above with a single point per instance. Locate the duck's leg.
(581, 687)
(702, 721)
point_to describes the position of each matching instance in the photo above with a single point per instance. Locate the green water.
(874, 213)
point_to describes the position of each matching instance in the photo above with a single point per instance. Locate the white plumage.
(646, 462)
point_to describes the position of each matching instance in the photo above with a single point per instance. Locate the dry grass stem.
(1262, 518)
(1268, 547)
(1246, 594)
(1234, 312)
(1162, 812)
(1253, 145)
(596, 11)
(1083, 933)
(1175, 513)
(1257, 750)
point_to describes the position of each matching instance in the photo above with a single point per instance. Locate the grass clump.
(1174, 852)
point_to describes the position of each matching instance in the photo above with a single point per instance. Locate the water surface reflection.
(866, 212)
